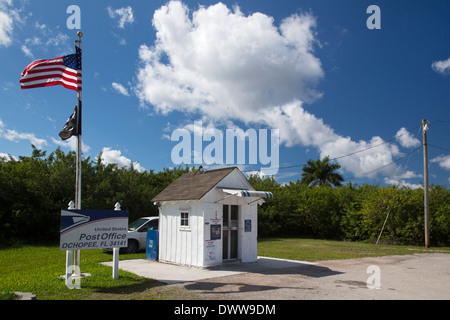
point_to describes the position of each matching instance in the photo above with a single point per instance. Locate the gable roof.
(194, 185)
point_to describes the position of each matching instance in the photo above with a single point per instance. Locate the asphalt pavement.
(407, 277)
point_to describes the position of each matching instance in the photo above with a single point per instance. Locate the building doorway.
(230, 232)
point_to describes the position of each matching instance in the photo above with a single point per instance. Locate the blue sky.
(313, 70)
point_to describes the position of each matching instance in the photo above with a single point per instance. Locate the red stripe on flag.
(54, 83)
(63, 69)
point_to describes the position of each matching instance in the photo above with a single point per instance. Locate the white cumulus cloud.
(406, 139)
(224, 63)
(120, 88)
(14, 136)
(7, 157)
(27, 51)
(228, 66)
(402, 183)
(443, 161)
(71, 144)
(110, 156)
(442, 66)
(6, 22)
(125, 15)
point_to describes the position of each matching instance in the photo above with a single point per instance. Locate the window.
(151, 225)
(184, 222)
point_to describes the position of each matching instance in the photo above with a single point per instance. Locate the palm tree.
(321, 172)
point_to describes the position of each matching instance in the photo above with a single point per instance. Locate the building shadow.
(212, 287)
(265, 265)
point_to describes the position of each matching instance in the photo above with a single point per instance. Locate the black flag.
(72, 127)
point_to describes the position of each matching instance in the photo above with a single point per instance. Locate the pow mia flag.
(72, 127)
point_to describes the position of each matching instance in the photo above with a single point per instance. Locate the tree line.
(34, 189)
(354, 213)
(320, 206)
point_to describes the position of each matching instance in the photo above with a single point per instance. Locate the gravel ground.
(417, 276)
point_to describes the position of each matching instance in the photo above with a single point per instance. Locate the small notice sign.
(93, 229)
(248, 225)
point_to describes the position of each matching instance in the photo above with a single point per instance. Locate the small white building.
(206, 218)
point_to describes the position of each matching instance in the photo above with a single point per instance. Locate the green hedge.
(354, 213)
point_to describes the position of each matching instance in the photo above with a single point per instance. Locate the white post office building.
(209, 217)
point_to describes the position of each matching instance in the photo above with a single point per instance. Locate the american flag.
(65, 71)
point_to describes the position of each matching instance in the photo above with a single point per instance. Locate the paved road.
(417, 276)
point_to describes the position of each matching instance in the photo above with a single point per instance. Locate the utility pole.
(425, 184)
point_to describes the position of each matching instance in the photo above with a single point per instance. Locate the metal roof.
(193, 185)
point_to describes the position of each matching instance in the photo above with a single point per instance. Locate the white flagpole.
(78, 158)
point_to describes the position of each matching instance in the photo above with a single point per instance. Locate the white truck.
(137, 233)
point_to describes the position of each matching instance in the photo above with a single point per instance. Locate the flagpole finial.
(78, 42)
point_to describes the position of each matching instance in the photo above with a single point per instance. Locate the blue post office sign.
(93, 229)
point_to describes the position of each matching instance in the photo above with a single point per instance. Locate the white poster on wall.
(210, 250)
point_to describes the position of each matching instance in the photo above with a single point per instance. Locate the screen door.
(230, 232)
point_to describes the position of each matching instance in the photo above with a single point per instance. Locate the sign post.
(69, 253)
(116, 252)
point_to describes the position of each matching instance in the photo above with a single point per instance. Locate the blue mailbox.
(152, 250)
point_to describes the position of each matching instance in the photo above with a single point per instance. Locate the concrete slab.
(25, 295)
(170, 274)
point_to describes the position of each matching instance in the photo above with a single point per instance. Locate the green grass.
(37, 269)
(318, 250)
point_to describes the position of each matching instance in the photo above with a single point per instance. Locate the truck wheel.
(132, 247)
